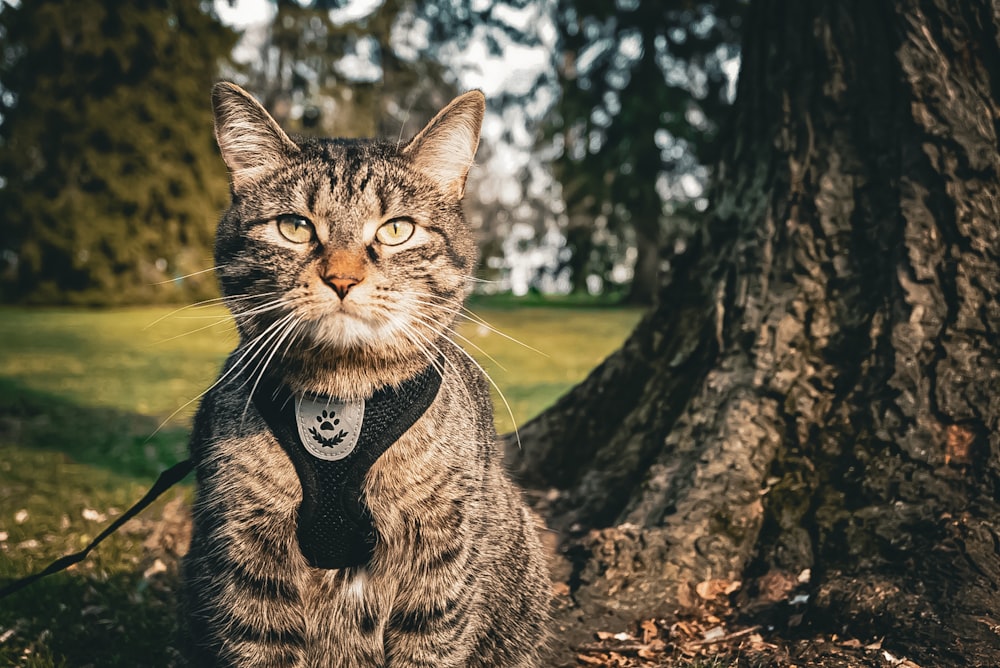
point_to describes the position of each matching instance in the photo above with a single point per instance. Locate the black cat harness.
(332, 445)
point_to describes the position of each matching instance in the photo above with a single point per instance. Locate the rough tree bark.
(818, 386)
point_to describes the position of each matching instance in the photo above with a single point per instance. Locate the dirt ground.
(707, 633)
(708, 636)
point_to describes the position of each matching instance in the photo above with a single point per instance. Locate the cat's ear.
(444, 150)
(250, 140)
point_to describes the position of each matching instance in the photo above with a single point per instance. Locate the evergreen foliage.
(109, 178)
(347, 78)
(643, 96)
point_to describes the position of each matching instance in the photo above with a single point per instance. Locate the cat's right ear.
(250, 140)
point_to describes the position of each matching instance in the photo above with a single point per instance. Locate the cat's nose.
(341, 284)
(342, 270)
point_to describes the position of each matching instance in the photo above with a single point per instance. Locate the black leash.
(167, 479)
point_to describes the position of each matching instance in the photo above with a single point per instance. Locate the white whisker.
(452, 331)
(473, 317)
(388, 316)
(292, 324)
(402, 126)
(248, 348)
(276, 304)
(193, 273)
(410, 331)
(496, 387)
(272, 332)
(206, 303)
(218, 321)
(422, 345)
(262, 308)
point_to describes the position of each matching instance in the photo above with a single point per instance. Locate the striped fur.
(457, 577)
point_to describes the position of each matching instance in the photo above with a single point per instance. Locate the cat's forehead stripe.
(365, 178)
(383, 205)
(312, 191)
(349, 167)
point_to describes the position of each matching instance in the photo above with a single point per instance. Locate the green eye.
(296, 229)
(395, 232)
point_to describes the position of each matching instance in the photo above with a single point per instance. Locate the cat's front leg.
(240, 614)
(430, 635)
(430, 621)
(242, 574)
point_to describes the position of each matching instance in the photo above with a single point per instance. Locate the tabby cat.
(351, 507)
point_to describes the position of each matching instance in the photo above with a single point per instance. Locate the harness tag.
(329, 429)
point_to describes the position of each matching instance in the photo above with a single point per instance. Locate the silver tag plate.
(328, 429)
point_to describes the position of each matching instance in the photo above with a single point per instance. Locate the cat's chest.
(348, 592)
(345, 614)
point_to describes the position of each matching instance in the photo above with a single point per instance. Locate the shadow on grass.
(65, 474)
(121, 442)
(90, 620)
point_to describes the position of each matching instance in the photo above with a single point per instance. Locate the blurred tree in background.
(644, 90)
(602, 120)
(109, 179)
(325, 72)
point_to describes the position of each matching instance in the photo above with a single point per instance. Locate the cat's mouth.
(347, 326)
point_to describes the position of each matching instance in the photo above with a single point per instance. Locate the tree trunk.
(815, 400)
(579, 239)
(642, 290)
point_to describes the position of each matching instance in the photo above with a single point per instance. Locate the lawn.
(93, 404)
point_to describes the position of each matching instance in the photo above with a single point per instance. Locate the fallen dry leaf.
(958, 446)
(712, 589)
(649, 630)
(92, 515)
(775, 585)
(590, 660)
(652, 650)
(157, 568)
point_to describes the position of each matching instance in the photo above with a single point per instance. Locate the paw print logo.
(324, 419)
(327, 435)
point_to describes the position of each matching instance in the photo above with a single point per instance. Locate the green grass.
(101, 612)
(81, 395)
(565, 345)
(151, 363)
(122, 359)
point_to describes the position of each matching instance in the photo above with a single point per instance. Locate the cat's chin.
(349, 373)
(347, 333)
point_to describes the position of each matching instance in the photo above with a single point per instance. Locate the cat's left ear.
(444, 150)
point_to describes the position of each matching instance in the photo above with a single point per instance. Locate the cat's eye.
(296, 229)
(395, 232)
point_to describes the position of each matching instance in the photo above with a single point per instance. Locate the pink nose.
(341, 284)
